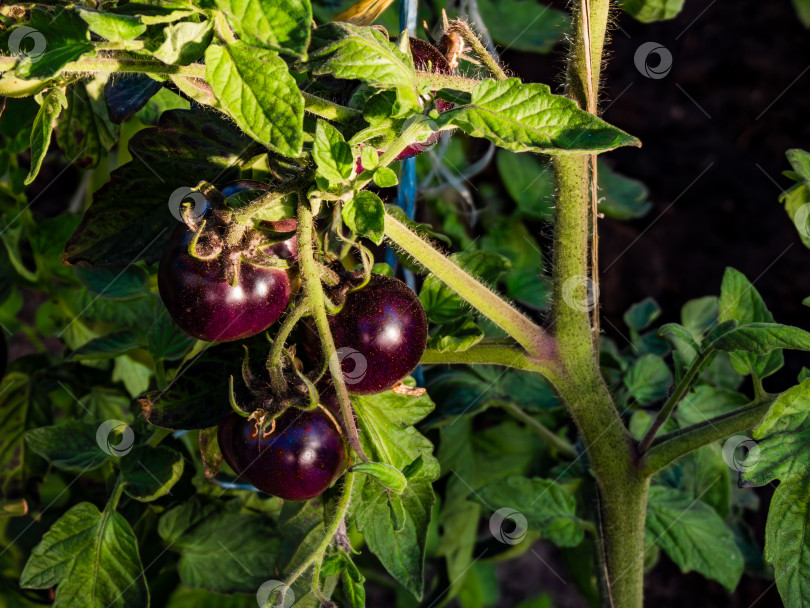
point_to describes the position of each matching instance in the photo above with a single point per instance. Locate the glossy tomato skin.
(203, 303)
(297, 461)
(380, 334)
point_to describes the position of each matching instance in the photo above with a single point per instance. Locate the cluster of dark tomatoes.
(379, 333)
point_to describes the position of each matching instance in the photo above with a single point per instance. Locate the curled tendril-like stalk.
(207, 250)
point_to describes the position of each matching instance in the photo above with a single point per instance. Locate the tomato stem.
(471, 40)
(317, 555)
(313, 291)
(274, 362)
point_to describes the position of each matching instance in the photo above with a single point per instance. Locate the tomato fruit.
(203, 303)
(300, 459)
(380, 334)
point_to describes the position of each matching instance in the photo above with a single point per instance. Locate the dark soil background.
(713, 165)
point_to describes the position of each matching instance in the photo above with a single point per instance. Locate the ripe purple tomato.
(205, 305)
(380, 334)
(300, 459)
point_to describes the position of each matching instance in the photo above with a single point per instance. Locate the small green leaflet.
(648, 379)
(395, 533)
(531, 26)
(783, 453)
(542, 504)
(363, 53)
(84, 130)
(693, 535)
(224, 551)
(390, 477)
(92, 559)
(365, 216)
(647, 11)
(280, 25)
(150, 473)
(797, 197)
(331, 153)
(256, 89)
(57, 39)
(741, 302)
(111, 26)
(41, 132)
(529, 118)
(385, 177)
(70, 446)
(185, 42)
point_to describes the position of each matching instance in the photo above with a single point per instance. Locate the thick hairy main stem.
(622, 486)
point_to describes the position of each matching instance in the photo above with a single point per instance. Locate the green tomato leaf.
(531, 27)
(331, 153)
(112, 283)
(385, 177)
(111, 26)
(529, 118)
(640, 315)
(106, 347)
(184, 42)
(129, 218)
(387, 434)
(197, 397)
(70, 446)
(365, 216)
(58, 39)
(647, 11)
(705, 402)
(369, 157)
(648, 379)
(623, 198)
(782, 452)
(41, 132)
(165, 339)
(762, 338)
(280, 25)
(741, 302)
(225, 551)
(17, 413)
(693, 535)
(529, 182)
(401, 547)
(390, 477)
(92, 558)
(84, 130)
(153, 13)
(255, 88)
(456, 337)
(353, 581)
(442, 304)
(150, 473)
(363, 53)
(542, 504)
